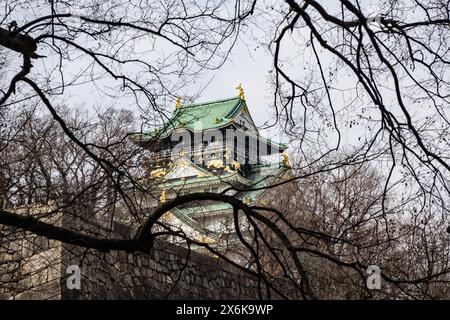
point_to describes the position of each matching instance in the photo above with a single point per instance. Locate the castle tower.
(210, 147)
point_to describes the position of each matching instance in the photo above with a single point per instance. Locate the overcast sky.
(249, 66)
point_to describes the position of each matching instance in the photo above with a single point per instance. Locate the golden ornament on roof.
(240, 91)
(163, 197)
(204, 239)
(215, 163)
(236, 166)
(158, 173)
(177, 103)
(284, 159)
(168, 217)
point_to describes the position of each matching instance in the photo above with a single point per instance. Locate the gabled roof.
(263, 176)
(209, 180)
(183, 168)
(213, 114)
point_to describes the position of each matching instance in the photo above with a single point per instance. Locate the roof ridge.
(209, 102)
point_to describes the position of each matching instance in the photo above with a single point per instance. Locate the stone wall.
(36, 268)
(168, 272)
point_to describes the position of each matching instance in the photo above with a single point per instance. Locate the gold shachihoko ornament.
(177, 103)
(158, 173)
(163, 197)
(215, 164)
(240, 91)
(285, 159)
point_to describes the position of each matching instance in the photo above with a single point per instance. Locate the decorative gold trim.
(285, 159)
(158, 173)
(168, 217)
(163, 197)
(215, 163)
(246, 200)
(236, 165)
(205, 239)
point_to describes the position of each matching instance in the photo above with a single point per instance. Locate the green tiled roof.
(211, 115)
(229, 177)
(191, 222)
(206, 209)
(265, 175)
